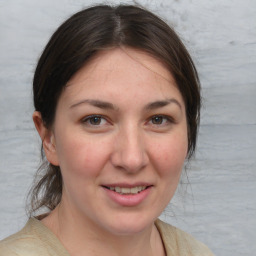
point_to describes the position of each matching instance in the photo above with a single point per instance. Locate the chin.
(130, 225)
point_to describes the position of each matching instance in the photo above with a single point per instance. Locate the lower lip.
(128, 199)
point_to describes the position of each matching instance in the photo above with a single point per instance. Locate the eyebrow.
(96, 103)
(162, 103)
(107, 105)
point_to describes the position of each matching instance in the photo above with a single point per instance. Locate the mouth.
(128, 195)
(127, 191)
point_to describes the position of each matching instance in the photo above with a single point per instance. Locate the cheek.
(82, 156)
(169, 155)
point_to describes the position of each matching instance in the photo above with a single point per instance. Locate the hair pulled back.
(76, 41)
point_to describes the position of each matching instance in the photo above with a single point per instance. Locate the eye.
(160, 120)
(157, 120)
(94, 120)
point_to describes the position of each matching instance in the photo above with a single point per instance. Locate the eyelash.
(87, 120)
(168, 119)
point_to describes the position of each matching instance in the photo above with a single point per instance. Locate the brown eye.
(157, 119)
(94, 120)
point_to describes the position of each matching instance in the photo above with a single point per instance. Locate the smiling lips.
(127, 195)
(125, 191)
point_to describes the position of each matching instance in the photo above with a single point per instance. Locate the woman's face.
(120, 139)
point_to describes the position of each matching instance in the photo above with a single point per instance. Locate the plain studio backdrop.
(219, 205)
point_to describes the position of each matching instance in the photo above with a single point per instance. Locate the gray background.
(219, 204)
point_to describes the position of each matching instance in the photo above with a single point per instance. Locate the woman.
(117, 103)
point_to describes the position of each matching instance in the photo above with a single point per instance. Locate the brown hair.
(76, 41)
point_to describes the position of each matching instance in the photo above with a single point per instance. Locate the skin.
(140, 135)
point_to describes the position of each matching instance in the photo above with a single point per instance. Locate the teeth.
(134, 190)
(117, 189)
(125, 190)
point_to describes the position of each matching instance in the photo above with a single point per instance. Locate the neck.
(82, 237)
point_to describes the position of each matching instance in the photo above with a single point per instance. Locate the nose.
(129, 150)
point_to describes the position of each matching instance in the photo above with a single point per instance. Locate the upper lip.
(127, 185)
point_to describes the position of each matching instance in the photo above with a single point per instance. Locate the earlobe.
(47, 137)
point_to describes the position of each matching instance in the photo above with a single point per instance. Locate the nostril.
(129, 153)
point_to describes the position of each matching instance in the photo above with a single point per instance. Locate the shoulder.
(22, 243)
(33, 239)
(178, 242)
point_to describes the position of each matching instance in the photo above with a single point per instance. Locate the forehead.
(126, 71)
(130, 60)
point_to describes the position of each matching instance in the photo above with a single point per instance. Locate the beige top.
(35, 239)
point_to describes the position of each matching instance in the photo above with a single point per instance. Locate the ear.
(47, 137)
